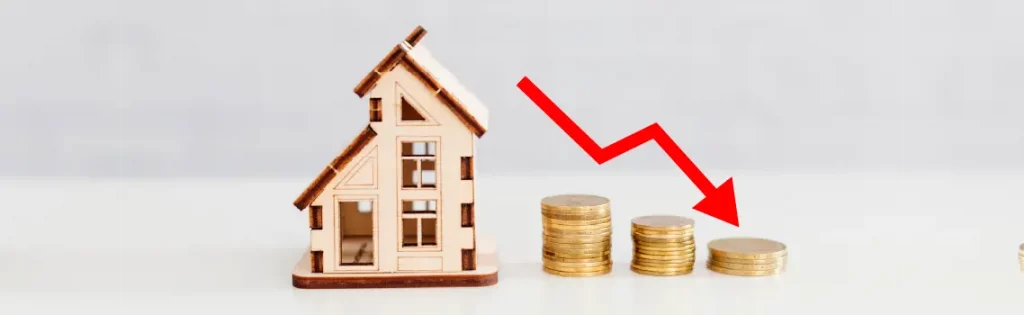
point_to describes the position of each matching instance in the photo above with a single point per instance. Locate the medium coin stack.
(577, 235)
(663, 245)
(747, 256)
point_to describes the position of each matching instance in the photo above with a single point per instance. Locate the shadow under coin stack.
(747, 256)
(577, 235)
(663, 245)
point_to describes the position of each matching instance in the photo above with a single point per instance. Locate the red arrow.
(718, 202)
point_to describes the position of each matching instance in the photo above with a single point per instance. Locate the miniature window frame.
(419, 217)
(376, 110)
(375, 210)
(430, 150)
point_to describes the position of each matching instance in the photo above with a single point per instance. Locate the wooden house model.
(396, 207)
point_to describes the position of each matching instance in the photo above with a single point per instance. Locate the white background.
(239, 88)
(150, 150)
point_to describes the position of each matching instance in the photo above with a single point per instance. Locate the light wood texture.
(392, 201)
(486, 274)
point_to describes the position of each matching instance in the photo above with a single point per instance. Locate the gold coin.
(746, 247)
(576, 211)
(661, 269)
(643, 232)
(577, 216)
(663, 263)
(735, 266)
(665, 254)
(663, 251)
(648, 233)
(560, 254)
(679, 271)
(546, 220)
(577, 239)
(591, 251)
(747, 273)
(579, 269)
(574, 201)
(559, 265)
(779, 260)
(663, 274)
(661, 255)
(578, 274)
(601, 258)
(663, 222)
(585, 217)
(683, 248)
(648, 230)
(562, 245)
(665, 257)
(649, 239)
(663, 244)
(598, 232)
(561, 227)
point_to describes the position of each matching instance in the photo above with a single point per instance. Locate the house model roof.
(436, 77)
(470, 110)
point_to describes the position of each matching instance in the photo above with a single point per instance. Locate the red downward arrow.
(718, 202)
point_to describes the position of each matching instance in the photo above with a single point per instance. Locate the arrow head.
(721, 204)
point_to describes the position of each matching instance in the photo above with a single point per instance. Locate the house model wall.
(396, 207)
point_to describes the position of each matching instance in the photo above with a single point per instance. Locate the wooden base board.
(485, 275)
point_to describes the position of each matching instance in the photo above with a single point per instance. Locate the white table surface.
(868, 243)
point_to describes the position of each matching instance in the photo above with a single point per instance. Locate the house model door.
(357, 239)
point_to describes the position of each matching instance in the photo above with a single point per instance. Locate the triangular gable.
(324, 178)
(437, 79)
(363, 175)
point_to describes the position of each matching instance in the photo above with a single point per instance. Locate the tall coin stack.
(747, 256)
(663, 245)
(577, 235)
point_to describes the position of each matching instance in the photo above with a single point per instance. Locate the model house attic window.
(409, 113)
(375, 114)
(419, 164)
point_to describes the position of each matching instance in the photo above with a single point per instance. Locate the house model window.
(356, 233)
(419, 164)
(419, 223)
(375, 113)
(409, 113)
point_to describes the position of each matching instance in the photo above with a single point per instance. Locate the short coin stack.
(577, 235)
(747, 257)
(663, 245)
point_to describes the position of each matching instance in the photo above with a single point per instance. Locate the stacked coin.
(747, 256)
(1021, 257)
(663, 245)
(577, 235)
